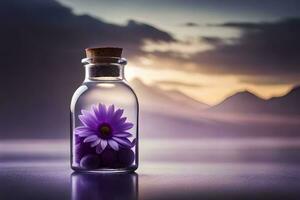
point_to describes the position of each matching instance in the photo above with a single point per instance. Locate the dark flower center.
(105, 130)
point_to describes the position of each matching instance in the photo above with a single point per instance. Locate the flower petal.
(88, 121)
(90, 115)
(95, 143)
(84, 133)
(110, 112)
(113, 144)
(90, 138)
(117, 114)
(122, 134)
(123, 141)
(101, 115)
(133, 143)
(81, 128)
(99, 149)
(95, 110)
(125, 126)
(122, 120)
(103, 144)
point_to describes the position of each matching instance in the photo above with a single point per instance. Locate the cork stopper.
(104, 52)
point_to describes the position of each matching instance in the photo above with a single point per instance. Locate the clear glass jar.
(104, 116)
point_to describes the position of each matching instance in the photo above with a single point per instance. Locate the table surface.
(28, 176)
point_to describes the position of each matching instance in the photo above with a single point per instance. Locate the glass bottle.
(104, 116)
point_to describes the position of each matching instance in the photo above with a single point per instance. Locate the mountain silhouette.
(155, 99)
(242, 102)
(248, 103)
(287, 104)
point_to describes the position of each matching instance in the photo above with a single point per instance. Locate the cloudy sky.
(205, 49)
(215, 48)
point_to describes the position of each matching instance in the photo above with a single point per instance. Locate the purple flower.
(104, 127)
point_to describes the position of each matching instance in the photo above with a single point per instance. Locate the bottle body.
(104, 122)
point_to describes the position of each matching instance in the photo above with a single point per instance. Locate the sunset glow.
(192, 57)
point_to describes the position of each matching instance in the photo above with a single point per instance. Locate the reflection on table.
(104, 186)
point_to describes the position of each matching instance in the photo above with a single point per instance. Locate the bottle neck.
(104, 72)
(104, 68)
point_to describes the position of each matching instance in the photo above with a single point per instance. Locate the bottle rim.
(104, 60)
